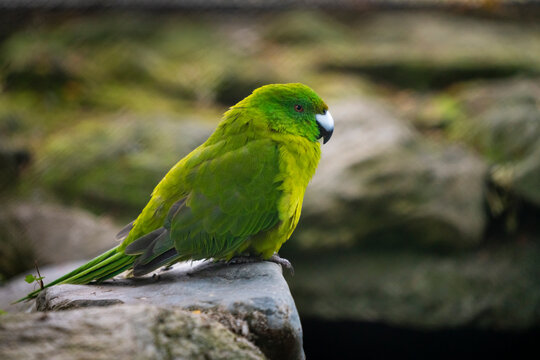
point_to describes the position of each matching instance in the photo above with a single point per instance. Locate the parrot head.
(291, 108)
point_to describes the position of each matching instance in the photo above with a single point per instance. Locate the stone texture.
(502, 121)
(49, 233)
(120, 332)
(253, 300)
(381, 181)
(493, 288)
(526, 180)
(432, 50)
(113, 165)
(17, 288)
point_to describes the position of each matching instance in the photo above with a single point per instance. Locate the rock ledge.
(252, 300)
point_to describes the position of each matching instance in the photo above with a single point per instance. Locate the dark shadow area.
(362, 340)
(424, 77)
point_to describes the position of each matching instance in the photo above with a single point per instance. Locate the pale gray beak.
(326, 125)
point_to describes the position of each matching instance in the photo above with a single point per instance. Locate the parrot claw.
(283, 262)
(166, 268)
(247, 259)
(243, 259)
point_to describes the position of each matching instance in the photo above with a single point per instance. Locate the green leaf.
(30, 278)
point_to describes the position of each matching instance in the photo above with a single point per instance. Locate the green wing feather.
(233, 197)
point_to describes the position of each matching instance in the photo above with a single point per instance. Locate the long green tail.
(102, 267)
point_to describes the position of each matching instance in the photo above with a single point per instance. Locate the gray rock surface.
(381, 178)
(502, 121)
(526, 180)
(17, 288)
(252, 300)
(120, 332)
(114, 164)
(431, 50)
(496, 287)
(49, 233)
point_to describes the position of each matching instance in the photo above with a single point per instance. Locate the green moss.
(305, 28)
(440, 112)
(117, 163)
(500, 120)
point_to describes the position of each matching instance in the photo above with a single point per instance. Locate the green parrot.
(239, 193)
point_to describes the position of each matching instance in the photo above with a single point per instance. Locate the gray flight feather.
(141, 244)
(122, 234)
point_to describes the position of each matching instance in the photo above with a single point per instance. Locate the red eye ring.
(298, 108)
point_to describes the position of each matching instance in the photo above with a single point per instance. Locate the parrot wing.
(233, 197)
(122, 234)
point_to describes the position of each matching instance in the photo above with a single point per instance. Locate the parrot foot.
(243, 259)
(247, 259)
(166, 268)
(283, 262)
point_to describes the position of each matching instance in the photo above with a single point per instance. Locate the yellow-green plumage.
(238, 193)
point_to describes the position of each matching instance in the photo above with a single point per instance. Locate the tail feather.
(119, 271)
(102, 267)
(103, 272)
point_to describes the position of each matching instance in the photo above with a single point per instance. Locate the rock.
(121, 332)
(296, 28)
(49, 233)
(526, 181)
(380, 182)
(250, 299)
(425, 50)
(493, 288)
(114, 165)
(502, 121)
(17, 288)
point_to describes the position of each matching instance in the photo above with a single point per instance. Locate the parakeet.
(239, 193)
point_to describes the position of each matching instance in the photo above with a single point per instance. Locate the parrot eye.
(298, 108)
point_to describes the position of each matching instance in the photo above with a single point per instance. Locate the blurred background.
(420, 232)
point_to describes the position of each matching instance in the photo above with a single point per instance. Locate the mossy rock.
(430, 50)
(495, 287)
(380, 183)
(501, 120)
(304, 28)
(121, 332)
(116, 164)
(49, 234)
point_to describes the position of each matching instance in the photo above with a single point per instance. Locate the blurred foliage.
(115, 164)
(96, 99)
